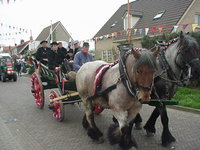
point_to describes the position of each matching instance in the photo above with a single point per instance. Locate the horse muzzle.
(143, 102)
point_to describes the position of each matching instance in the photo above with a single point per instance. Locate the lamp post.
(128, 22)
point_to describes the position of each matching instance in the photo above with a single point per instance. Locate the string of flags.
(9, 1)
(146, 30)
(11, 31)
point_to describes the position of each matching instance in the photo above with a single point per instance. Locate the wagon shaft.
(65, 96)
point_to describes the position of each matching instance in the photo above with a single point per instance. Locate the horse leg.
(121, 132)
(138, 122)
(88, 122)
(167, 138)
(150, 125)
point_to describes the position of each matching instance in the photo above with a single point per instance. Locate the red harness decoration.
(170, 42)
(99, 75)
(57, 69)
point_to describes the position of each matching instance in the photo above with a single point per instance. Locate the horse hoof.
(138, 126)
(171, 146)
(99, 141)
(150, 134)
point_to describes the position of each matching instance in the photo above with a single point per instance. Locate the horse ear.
(155, 53)
(188, 33)
(181, 35)
(136, 54)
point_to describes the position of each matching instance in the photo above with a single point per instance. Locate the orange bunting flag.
(120, 32)
(160, 29)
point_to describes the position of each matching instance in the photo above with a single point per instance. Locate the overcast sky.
(81, 18)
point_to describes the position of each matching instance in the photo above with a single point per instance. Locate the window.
(114, 24)
(133, 20)
(197, 19)
(159, 15)
(104, 55)
(107, 55)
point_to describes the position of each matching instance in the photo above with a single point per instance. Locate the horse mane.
(188, 42)
(147, 58)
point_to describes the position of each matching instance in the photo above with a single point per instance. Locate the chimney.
(22, 41)
(31, 38)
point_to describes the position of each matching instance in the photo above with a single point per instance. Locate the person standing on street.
(82, 57)
(18, 67)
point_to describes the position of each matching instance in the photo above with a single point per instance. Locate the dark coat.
(76, 50)
(68, 57)
(42, 53)
(63, 51)
(18, 66)
(54, 59)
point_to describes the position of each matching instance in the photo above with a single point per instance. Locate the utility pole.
(128, 22)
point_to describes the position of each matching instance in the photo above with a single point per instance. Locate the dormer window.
(114, 24)
(159, 15)
(134, 18)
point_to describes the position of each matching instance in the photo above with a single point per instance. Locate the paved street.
(23, 126)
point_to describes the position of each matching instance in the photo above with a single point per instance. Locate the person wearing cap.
(41, 54)
(77, 47)
(82, 57)
(70, 55)
(54, 56)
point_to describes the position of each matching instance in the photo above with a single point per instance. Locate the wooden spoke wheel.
(57, 106)
(98, 109)
(37, 90)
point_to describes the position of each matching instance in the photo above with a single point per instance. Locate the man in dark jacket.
(62, 49)
(77, 47)
(54, 56)
(18, 67)
(41, 54)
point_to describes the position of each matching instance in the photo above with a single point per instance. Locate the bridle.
(187, 65)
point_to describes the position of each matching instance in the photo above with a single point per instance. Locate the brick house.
(145, 14)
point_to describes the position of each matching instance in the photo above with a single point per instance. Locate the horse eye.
(186, 51)
(138, 72)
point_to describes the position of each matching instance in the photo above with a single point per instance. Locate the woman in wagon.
(82, 57)
(41, 54)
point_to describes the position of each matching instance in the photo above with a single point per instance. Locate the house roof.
(46, 31)
(147, 10)
(44, 35)
(7, 48)
(21, 47)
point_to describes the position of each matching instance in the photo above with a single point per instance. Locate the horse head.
(188, 48)
(143, 73)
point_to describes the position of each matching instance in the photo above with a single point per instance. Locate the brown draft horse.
(140, 68)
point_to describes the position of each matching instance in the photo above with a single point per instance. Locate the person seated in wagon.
(41, 54)
(82, 57)
(54, 56)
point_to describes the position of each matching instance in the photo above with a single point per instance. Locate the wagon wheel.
(98, 109)
(57, 106)
(37, 90)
